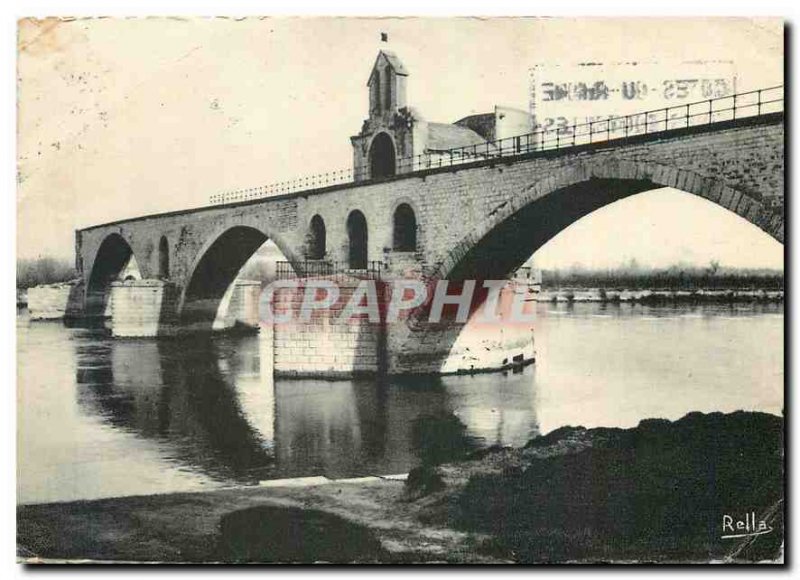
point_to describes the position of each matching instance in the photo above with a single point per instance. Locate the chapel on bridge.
(396, 138)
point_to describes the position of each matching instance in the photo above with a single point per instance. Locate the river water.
(99, 417)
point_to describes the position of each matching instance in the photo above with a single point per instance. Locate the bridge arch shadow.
(215, 269)
(163, 258)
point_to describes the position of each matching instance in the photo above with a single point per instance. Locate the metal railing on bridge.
(327, 269)
(707, 112)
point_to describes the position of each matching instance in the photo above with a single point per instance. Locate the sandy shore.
(185, 527)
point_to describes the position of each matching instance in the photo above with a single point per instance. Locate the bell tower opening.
(382, 157)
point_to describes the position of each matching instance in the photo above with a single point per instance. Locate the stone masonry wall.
(142, 309)
(325, 346)
(328, 346)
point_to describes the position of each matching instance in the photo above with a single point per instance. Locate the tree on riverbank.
(43, 270)
(633, 276)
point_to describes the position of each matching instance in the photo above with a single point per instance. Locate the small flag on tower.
(384, 37)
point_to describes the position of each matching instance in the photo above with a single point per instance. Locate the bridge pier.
(421, 347)
(327, 345)
(239, 306)
(143, 308)
(462, 349)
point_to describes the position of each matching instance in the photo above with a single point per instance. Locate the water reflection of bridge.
(213, 406)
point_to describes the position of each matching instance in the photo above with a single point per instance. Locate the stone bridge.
(481, 219)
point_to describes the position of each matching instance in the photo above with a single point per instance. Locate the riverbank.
(661, 297)
(658, 492)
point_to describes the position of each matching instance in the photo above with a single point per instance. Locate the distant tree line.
(32, 272)
(632, 276)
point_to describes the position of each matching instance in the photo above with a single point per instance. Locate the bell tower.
(386, 135)
(387, 85)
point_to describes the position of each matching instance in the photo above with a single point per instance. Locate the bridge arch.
(112, 257)
(404, 228)
(516, 229)
(215, 268)
(382, 156)
(316, 246)
(357, 241)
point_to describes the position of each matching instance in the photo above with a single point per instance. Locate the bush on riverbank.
(657, 492)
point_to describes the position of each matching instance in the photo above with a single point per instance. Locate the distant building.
(397, 139)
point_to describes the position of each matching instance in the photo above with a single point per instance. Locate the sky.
(126, 117)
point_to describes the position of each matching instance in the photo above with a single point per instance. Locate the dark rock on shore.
(423, 480)
(278, 534)
(657, 492)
